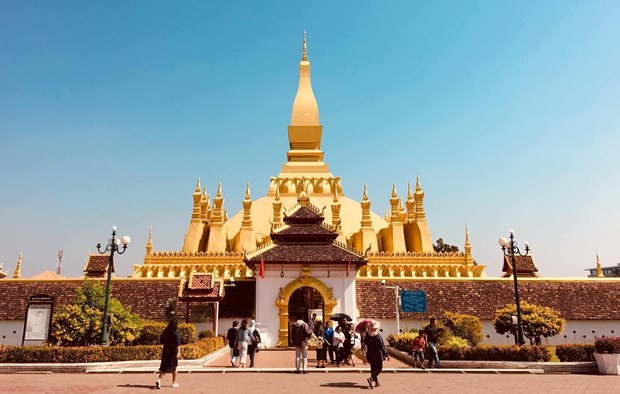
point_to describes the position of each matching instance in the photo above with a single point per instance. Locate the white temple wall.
(11, 332)
(580, 328)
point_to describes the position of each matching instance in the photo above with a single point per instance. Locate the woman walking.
(321, 351)
(243, 338)
(170, 354)
(375, 352)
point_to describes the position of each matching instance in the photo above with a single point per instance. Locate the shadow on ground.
(346, 385)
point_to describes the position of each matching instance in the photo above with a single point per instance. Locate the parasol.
(340, 316)
(363, 323)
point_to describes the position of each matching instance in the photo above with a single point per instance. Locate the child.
(418, 349)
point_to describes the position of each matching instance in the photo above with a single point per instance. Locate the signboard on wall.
(38, 318)
(413, 301)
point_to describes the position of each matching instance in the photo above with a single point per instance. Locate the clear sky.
(508, 111)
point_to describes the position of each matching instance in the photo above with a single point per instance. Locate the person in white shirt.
(338, 342)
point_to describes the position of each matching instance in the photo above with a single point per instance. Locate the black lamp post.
(112, 247)
(510, 248)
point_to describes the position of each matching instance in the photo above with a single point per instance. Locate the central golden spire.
(305, 157)
(305, 109)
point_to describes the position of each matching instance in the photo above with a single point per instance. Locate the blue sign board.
(413, 301)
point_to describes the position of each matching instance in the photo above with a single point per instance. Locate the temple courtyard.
(311, 383)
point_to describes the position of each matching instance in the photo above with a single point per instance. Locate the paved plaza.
(313, 383)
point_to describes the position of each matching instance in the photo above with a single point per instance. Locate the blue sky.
(508, 111)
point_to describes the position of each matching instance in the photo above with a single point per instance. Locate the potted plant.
(608, 355)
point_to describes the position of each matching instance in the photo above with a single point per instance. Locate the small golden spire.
(599, 268)
(219, 190)
(197, 190)
(365, 195)
(18, 268)
(304, 50)
(247, 192)
(149, 242)
(409, 194)
(418, 187)
(394, 194)
(335, 194)
(467, 243)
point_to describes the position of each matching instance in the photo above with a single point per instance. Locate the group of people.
(243, 341)
(337, 342)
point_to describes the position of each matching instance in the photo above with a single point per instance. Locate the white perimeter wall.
(581, 328)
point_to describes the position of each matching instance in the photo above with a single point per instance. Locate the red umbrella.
(363, 323)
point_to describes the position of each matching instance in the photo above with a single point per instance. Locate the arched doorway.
(285, 294)
(303, 303)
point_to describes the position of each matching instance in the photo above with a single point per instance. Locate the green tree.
(538, 321)
(464, 326)
(80, 323)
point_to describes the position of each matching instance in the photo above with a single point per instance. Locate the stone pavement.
(340, 383)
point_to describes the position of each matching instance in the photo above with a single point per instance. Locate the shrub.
(538, 321)
(607, 345)
(205, 334)
(80, 323)
(453, 351)
(464, 326)
(575, 352)
(86, 354)
(152, 330)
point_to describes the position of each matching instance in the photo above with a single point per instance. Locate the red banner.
(261, 270)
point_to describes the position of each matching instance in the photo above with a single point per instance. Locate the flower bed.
(90, 354)
(609, 345)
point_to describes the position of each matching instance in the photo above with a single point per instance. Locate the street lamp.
(395, 288)
(112, 247)
(510, 248)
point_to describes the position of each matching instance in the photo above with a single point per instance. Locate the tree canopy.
(538, 321)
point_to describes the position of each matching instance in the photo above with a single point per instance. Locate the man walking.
(432, 333)
(232, 339)
(301, 332)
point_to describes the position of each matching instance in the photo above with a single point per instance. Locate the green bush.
(464, 326)
(187, 332)
(538, 321)
(205, 334)
(453, 351)
(152, 330)
(87, 354)
(575, 352)
(80, 323)
(607, 345)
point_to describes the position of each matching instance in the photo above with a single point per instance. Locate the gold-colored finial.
(365, 195)
(394, 194)
(18, 268)
(247, 192)
(304, 50)
(418, 187)
(197, 190)
(599, 268)
(219, 190)
(149, 242)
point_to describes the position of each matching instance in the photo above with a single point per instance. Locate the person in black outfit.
(170, 354)
(232, 339)
(375, 353)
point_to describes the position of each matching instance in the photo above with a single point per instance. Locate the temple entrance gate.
(300, 294)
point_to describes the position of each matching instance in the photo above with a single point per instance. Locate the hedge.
(152, 330)
(404, 342)
(575, 352)
(90, 354)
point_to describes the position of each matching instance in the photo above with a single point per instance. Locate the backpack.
(256, 337)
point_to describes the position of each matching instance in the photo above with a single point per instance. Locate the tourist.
(232, 340)
(432, 333)
(349, 344)
(301, 332)
(170, 353)
(419, 343)
(321, 350)
(328, 334)
(338, 344)
(375, 353)
(312, 322)
(243, 339)
(255, 340)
